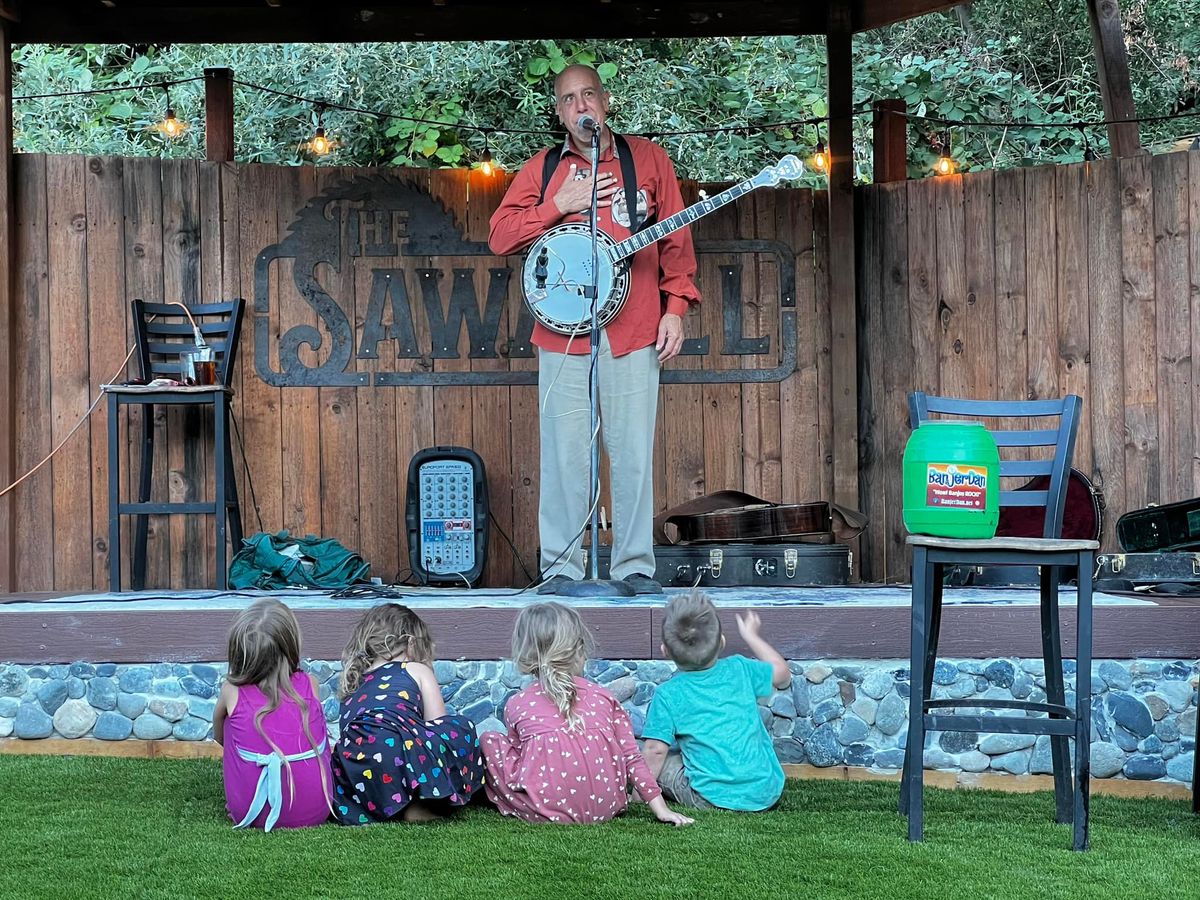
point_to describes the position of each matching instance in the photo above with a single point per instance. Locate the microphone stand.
(594, 586)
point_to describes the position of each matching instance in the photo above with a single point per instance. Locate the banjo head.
(558, 268)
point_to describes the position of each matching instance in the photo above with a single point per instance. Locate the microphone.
(587, 123)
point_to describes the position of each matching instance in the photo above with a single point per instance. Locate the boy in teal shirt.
(710, 707)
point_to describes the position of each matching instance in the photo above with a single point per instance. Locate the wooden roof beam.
(868, 14)
(1112, 70)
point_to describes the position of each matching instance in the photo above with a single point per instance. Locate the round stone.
(859, 755)
(1000, 673)
(655, 671)
(825, 690)
(52, 695)
(131, 705)
(801, 697)
(789, 750)
(783, 705)
(877, 684)
(823, 747)
(958, 741)
(206, 672)
(937, 758)
(32, 722)
(623, 688)
(1107, 759)
(817, 673)
(1002, 744)
(1143, 767)
(74, 719)
(1180, 768)
(190, 729)
(9, 707)
(111, 726)
(1042, 761)
(1015, 763)
(169, 709)
(853, 731)
(203, 709)
(491, 724)
(637, 721)
(892, 758)
(332, 709)
(826, 711)
(136, 679)
(197, 687)
(1157, 704)
(6, 727)
(76, 688)
(1130, 713)
(865, 708)
(944, 672)
(102, 693)
(13, 682)
(149, 727)
(1115, 676)
(1179, 694)
(891, 715)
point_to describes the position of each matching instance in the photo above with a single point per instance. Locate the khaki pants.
(628, 392)
(676, 786)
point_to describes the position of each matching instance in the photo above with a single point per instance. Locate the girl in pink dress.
(569, 754)
(269, 720)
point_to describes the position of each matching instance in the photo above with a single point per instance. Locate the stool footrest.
(1053, 709)
(1000, 724)
(148, 508)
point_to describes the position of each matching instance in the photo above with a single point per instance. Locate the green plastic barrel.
(952, 480)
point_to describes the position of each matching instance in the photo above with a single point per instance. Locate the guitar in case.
(1083, 519)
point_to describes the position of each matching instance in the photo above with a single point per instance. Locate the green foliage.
(1027, 60)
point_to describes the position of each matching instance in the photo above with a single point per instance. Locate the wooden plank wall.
(93, 233)
(1033, 283)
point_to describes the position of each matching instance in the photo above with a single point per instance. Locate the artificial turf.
(110, 827)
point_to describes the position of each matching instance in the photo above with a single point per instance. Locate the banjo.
(558, 269)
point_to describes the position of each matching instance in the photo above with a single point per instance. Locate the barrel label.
(956, 486)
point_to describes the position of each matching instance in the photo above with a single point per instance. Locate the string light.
(945, 164)
(485, 161)
(1089, 155)
(820, 158)
(319, 144)
(170, 127)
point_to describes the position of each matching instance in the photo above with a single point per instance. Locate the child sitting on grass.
(269, 721)
(725, 757)
(399, 754)
(569, 754)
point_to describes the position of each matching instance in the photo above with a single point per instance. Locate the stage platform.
(856, 622)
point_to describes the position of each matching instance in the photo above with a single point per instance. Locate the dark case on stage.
(1149, 568)
(747, 564)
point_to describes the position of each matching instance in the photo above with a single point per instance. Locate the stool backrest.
(164, 332)
(1017, 434)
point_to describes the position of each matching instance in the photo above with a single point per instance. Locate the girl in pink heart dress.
(569, 755)
(399, 754)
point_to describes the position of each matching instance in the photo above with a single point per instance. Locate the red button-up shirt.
(662, 275)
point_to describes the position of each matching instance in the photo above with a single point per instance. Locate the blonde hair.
(691, 631)
(264, 650)
(384, 632)
(550, 641)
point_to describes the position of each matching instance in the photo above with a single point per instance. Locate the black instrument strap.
(628, 177)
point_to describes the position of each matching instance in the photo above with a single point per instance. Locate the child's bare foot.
(419, 812)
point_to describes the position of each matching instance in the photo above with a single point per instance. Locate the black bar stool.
(164, 333)
(931, 555)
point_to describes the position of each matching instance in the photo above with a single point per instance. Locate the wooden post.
(8, 289)
(890, 141)
(843, 352)
(218, 115)
(1112, 69)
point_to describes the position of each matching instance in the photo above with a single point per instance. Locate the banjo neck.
(788, 167)
(660, 230)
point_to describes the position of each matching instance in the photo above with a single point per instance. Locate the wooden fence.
(1032, 283)
(330, 459)
(1020, 283)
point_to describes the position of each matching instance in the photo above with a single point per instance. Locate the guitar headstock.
(787, 169)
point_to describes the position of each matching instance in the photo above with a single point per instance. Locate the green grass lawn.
(104, 827)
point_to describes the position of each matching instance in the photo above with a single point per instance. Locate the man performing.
(647, 332)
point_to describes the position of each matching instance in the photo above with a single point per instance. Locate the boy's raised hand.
(748, 624)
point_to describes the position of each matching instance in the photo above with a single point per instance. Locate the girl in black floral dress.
(399, 755)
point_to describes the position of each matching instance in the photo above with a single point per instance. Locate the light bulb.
(170, 126)
(944, 165)
(486, 163)
(820, 158)
(320, 145)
